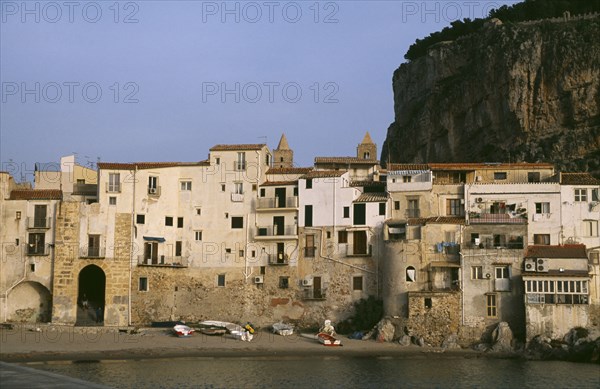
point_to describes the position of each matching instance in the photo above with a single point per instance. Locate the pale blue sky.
(163, 75)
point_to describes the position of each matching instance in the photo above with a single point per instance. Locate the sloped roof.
(559, 251)
(279, 183)
(35, 194)
(578, 179)
(407, 166)
(489, 165)
(256, 146)
(371, 198)
(283, 143)
(289, 170)
(346, 160)
(367, 139)
(323, 174)
(368, 183)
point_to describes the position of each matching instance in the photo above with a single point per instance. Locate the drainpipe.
(131, 249)
(462, 294)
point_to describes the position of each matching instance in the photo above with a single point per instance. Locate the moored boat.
(328, 340)
(283, 329)
(183, 331)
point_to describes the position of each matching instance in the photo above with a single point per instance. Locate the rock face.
(503, 338)
(511, 92)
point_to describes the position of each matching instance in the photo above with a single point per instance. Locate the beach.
(38, 343)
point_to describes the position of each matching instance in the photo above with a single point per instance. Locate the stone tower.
(283, 156)
(367, 149)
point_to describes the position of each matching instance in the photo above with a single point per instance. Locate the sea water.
(331, 372)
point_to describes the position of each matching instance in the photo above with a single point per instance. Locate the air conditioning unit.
(307, 282)
(530, 264)
(152, 190)
(542, 265)
(259, 279)
(479, 200)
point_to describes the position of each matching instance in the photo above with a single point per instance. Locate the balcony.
(413, 213)
(359, 252)
(496, 218)
(275, 232)
(502, 285)
(85, 189)
(154, 191)
(113, 188)
(92, 252)
(309, 252)
(239, 166)
(277, 203)
(37, 250)
(237, 197)
(38, 223)
(312, 294)
(163, 261)
(279, 259)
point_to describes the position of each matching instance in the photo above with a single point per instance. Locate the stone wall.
(433, 315)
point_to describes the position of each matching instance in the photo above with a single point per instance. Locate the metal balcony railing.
(312, 294)
(276, 230)
(276, 202)
(310, 252)
(164, 261)
(237, 197)
(91, 252)
(413, 212)
(113, 188)
(358, 251)
(35, 222)
(278, 259)
(33, 250)
(85, 189)
(496, 218)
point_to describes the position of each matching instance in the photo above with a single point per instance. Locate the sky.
(132, 81)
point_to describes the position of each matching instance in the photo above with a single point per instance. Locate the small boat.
(328, 340)
(212, 331)
(283, 329)
(324, 339)
(183, 331)
(235, 330)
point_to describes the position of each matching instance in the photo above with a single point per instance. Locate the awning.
(444, 264)
(154, 239)
(396, 230)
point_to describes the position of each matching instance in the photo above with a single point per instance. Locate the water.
(331, 372)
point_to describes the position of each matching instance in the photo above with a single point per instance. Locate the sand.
(29, 343)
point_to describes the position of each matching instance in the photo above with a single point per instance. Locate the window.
(112, 200)
(217, 161)
(453, 207)
(237, 222)
(178, 248)
(475, 239)
(309, 183)
(328, 234)
(37, 243)
(499, 240)
(595, 196)
(140, 219)
(262, 192)
(359, 213)
(397, 231)
(342, 236)
(589, 228)
(346, 212)
(198, 211)
(169, 221)
(541, 238)
(186, 185)
(93, 246)
(411, 274)
(406, 178)
(241, 161)
(222, 187)
(477, 272)
(238, 188)
(180, 222)
(152, 185)
(284, 282)
(413, 208)
(428, 302)
(502, 272)
(357, 283)
(241, 253)
(221, 280)
(198, 235)
(381, 209)
(308, 215)
(366, 155)
(556, 291)
(143, 284)
(114, 182)
(396, 205)
(533, 177)
(581, 195)
(498, 207)
(17, 215)
(491, 305)
(499, 175)
(296, 191)
(309, 248)
(542, 207)
(32, 267)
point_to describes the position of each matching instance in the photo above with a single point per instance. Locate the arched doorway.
(90, 296)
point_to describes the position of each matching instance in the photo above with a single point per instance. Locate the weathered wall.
(29, 302)
(436, 322)
(554, 321)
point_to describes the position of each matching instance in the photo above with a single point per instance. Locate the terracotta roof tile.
(407, 166)
(560, 251)
(146, 165)
(421, 221)
(371, 198)
(238, 147)
(345, 160)
(279, 183)
(323, 174)
(578, 179)
(489, 165)
(36, 194)
(289, 170)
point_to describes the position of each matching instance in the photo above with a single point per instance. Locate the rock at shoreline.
(451, 342)
(404, 340)
(503, 338)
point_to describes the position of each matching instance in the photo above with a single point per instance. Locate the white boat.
(324, 339)
(235, 330)
(183, 331)
(283, 329)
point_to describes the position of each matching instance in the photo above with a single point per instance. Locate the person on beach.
(328, 328)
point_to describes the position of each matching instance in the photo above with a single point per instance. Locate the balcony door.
(280, 197)
(39, 216)
(151, 253)
(360, 242)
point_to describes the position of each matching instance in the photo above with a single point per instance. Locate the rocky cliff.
(510, 92)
